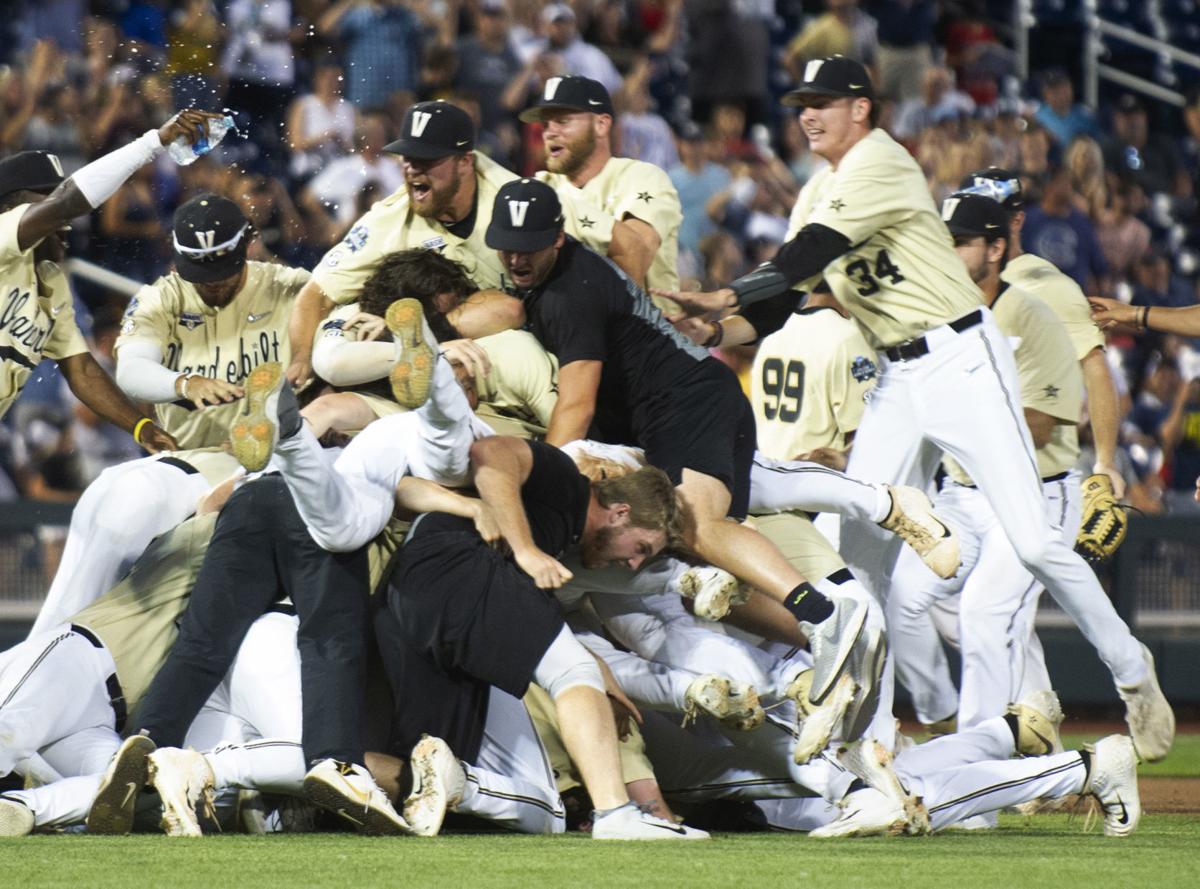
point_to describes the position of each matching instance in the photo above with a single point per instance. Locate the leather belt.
(116, 697)
(1057, 477)
(918, 347)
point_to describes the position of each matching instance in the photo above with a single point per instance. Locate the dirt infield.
(1172, 796)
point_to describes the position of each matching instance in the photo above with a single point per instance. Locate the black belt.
(907, 351)
(180, 464)
(116, 697)
(1057, 477)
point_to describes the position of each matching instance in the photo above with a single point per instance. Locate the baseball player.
(998, 597)
(446, 205)
(622, 208)
(868, 225)
(187, 343)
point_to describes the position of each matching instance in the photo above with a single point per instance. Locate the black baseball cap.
(572, 93)
(210, 239)
(433, 130)
(37, 171)
(526, 217)
(974, 215)
(834, 76)
(997, 183)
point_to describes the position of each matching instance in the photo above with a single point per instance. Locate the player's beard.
(441, 200)
(593, 550)
(575, 155)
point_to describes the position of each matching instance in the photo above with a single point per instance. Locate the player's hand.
(695, 302)
(190, 124)
(1113, 315)
(831, 457)
(300, 373)
(155, 439)
(367, 327)
(1118, 480)
(468, 355)
(698, 330)
(205, 391)
(485, 524)
(547, 572)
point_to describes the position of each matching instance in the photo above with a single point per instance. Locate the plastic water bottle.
(183, 153)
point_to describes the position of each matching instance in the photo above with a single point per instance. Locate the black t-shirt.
(555, 497)
(588, 310)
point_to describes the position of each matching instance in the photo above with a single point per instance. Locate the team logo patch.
(190, 320)
(438, 243)
(862, 369)
(128, 326)
(332, 258)
(333, 327)
(357, 238)
(132, 307)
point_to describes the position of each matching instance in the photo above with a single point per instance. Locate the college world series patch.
(862, 368)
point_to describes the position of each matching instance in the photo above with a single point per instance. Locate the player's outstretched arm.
(486, 312)
(311, 306)
(98, 181)
(92, 385)
(1112, 314)
(578, 383)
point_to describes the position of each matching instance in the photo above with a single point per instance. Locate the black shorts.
(468, 610)
(704, 424)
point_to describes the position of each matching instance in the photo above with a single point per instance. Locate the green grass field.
(1047, 852)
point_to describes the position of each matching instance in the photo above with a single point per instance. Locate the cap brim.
(211, 270)
(519, 242)
(799, 98)
(420, 151)
(537, 113)
(37, 188)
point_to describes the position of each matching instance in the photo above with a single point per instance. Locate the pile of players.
(460, 522)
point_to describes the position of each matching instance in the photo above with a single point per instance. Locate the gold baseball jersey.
(376, 393)
(1060, 292)
(809, 383)
(391, 225)
(137, 619)
(518, 396)
(806, 549)
(1051, 381)
(901, 277)
(37, 317)
(224, 344)
(625, 187)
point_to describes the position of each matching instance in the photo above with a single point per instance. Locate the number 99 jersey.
(901, 277)
(809, 384)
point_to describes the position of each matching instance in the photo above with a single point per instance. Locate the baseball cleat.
(1150, 718)
(631, 822)
(251, 812)
(817, 723)
(183, 778)
(16, 818)
(871, 762)
(734, 704)
(439, 782)
(866, 666)
(1112, 780)
(349, 790)
(831, 643)
(913, 520)
(112, 809)
(412, 373)
(865, 813)
(268, 413)
(712, 590)
(1037, 735)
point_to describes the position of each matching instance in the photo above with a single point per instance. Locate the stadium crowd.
(338, 133)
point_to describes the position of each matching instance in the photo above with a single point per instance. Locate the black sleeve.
(554, 477)
(770, 315)
(806, 255)
(578, 324)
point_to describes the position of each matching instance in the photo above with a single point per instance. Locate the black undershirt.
(463, 228)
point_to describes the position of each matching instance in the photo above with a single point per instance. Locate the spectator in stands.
(265, 202)
(259, 62)
(1131, 150)
(487, 63)
(641, 132)
(1061, 116)
(1085, 162)
(132, 230)
(905, 30)
(145, 21)
(55, 127)
(21, 94)
(728, 48)
(1154, 285)
(843, 29)
(320, 124)
(331, 197)
(1038, 151)
(1056, 231)
(978, 58)
(939, 99)
(578, 57)
(1179, 435)
(1190, 145)
(1124, 238)
(192, 53)
(697, 179)
(381, 48)
(59, 21)
(795, 153)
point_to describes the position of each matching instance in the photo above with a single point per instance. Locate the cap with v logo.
(974, 215)
(835, 76)
(37, 171)
(210, 236)
(570, 93)
(433, 130)
(526, 217)
(996, 183)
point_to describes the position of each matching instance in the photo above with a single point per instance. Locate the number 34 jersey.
(901, 277)
(809, 384)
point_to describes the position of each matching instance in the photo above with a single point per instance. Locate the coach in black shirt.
(627, 377)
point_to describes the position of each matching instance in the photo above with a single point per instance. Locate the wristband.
(1146, 317)
(764, 282)
(138, 427)
(100, 179)
(717, 335)
(183, 386)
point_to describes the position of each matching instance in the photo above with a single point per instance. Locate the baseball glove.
(1103, 522)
